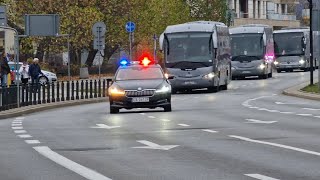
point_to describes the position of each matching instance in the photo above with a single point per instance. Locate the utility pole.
(311, 42)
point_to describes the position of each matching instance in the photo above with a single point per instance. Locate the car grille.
(139, 93)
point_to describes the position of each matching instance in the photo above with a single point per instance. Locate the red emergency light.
(146, 59)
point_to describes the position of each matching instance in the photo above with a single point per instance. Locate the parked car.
(47, 77)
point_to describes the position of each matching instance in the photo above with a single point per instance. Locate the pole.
(155, 48)
(130, 45)
(69, 73)
(99, 49)
(311, 43)
(100, 63)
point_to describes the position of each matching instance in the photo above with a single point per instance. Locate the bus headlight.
(209, 76)
(262, 66)
(302, 61)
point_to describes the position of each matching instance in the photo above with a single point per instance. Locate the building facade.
(276, 13)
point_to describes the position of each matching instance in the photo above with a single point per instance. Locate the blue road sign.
(130, 27)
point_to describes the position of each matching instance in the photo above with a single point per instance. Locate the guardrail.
(52, 92)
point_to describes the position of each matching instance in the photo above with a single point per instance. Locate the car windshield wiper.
(236, 57)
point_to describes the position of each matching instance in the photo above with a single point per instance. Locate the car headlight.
(209, 76)
(302, 61)
(276, 63)
(262, 66)
(163, 89)
(115, 91)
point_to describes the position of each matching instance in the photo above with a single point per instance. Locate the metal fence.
(52, 92)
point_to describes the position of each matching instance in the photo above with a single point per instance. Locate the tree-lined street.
(251, 131)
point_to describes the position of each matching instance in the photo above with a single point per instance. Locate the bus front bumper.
(244, 72)
(191, 83)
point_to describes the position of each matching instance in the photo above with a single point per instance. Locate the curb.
(295, 91)
(43, 107)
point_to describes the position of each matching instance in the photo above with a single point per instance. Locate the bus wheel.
(270, 75)
(278, 71)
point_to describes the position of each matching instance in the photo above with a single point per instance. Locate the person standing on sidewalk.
(4, 69)
(24, 71)
(34, 72)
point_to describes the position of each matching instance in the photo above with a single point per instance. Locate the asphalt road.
(249, 132)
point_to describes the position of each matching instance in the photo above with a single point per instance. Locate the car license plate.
(189, 82)
(246, 72)
(140, 99)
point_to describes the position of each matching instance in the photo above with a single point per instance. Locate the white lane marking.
(20, 131)
(24, 136)
(287, 112)
(20, 118)
(261, 177)
(304, 115)
(209, 130)
(276, 145)
(151, 145)
(282, 103)
(196, 97)
(71, 165)
(260, 122)
(317, 116)
(142, 113)
(17, 127)
(104, 126)
(184, 125)
(268, 110)
(254, 107)
(32, 141)
(17, 121)
(151, 117)
(166, 120)
(311, 109)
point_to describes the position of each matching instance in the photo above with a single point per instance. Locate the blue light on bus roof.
(124, 62)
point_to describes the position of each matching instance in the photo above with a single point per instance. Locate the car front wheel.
(43, 80)
(167, 108)
(114, 110)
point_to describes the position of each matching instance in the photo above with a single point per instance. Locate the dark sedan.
(138, 86)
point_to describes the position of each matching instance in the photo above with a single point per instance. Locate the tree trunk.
(91, 56)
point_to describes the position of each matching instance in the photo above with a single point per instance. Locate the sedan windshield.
(139, 73)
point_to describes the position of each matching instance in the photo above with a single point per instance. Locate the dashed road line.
(17, 128)
(32, 141)
(276, 145)
(317, 116)
(16, 125)
(151, 117)
(311, 109)
(142, 113)
(20, 131)
(24, 136)
(20, 118)
(261, 177)
(304, 114)
(287, 112)
(184, 125)
(71, 165)
(166, 120)
(209, 131)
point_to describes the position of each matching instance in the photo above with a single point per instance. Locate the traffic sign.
(99, 43)
(99, 29)
(130, 27)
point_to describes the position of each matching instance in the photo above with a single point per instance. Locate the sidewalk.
(297, 92)
(42, 107)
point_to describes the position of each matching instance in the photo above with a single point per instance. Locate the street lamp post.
(311, 42)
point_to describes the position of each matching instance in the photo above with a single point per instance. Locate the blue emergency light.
(124, 62)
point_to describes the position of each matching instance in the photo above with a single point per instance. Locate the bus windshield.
(247, 45)
(288, 44)
(189, 47)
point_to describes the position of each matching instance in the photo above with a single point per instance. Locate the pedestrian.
(24, 71)
(4, 69)
(34, 72)
(12, 75)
